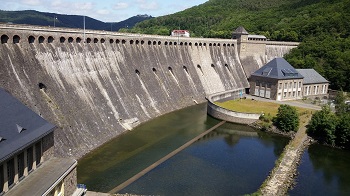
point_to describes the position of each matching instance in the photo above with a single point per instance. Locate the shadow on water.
(129, 153)
(231, 160)
(323, 171)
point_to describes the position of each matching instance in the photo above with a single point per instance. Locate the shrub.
(287, 118)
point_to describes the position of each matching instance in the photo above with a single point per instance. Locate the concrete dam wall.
(95, 90)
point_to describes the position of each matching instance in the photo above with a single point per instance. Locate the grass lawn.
(254, 106)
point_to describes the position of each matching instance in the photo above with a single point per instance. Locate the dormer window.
(20, 129)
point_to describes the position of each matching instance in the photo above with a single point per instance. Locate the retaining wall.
(229, 115)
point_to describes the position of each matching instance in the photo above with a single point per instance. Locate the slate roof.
(240, 31)
(19, 126)
(278, 68)
(311, 76)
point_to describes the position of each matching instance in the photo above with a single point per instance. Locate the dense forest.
(322, 27)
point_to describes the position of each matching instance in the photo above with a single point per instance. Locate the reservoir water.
(323, 171)
(231, 160)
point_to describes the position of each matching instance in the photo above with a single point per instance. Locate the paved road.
(292, 103)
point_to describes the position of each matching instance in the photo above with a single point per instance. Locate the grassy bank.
(254, 106)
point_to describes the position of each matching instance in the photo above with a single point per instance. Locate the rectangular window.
(299, 84)
(289, 94)
(30, 159)
(11, 171)
(295, 84)
(293, 93)
(20, 165)
(38, 153)
(1, 179)
(290, 85)
(280, 86)
(285, 85)
(285, 94)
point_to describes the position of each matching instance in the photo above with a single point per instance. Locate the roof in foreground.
(278, 68)
(311, 76)
(43, 180)
(19, 126)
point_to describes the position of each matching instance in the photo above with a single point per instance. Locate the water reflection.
(125, 156)
(323, 171)
(231, 160)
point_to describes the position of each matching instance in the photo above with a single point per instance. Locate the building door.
(267, 93)
(279, 97)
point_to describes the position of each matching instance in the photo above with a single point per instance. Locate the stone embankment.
(282, 176)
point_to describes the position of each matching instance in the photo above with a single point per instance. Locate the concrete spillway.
(94, 85)
(96, 90)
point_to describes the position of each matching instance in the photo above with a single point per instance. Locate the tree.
(342, 132)
(322, 126)
(339, 101)
(287, 118)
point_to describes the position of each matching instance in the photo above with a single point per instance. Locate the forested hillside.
(33, 17)
(322, 27)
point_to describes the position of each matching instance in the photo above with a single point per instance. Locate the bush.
(322, 126)
(287, 118)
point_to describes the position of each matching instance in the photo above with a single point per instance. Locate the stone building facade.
(278, 80)
(315, 86)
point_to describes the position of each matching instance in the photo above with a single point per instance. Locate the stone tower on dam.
(94, 85)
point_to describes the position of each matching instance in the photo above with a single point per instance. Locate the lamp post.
(54, 21)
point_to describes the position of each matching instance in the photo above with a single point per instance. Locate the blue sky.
(104, 10)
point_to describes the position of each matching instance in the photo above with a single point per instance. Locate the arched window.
(31, 39)
(41, 39)
(16, 39)
(62, 39)
(4, 39)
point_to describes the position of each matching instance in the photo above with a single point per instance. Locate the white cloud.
(120, 6)
(147, 5)
(83, 6)
(103, 12)
(31, 2)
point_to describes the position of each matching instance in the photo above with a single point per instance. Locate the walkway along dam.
(95, 85)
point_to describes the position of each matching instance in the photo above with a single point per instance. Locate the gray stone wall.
(70, 182)
(228, 115)
(48, 146)
(95, 91)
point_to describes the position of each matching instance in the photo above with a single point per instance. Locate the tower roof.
(241, 31)
(278, 68)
